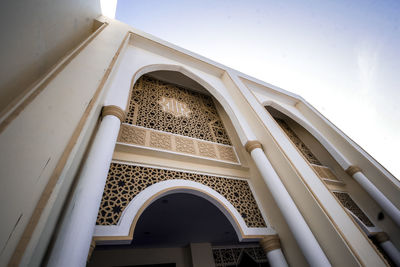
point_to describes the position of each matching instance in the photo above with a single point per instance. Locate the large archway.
(179, 219)
(174, 225)
(123, 231)
(174, 113)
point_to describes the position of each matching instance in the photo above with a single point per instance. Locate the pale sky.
(343, 57)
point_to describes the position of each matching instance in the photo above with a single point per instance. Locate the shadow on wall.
(35, 36)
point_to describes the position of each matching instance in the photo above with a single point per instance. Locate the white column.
(302, 233)
(384, 242)
(374, 192)
(272, 247)
(73, 242)
(392, 251)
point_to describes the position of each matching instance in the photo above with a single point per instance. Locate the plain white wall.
(35, 35)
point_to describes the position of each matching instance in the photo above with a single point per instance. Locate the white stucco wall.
(39, 138)
(35, 35)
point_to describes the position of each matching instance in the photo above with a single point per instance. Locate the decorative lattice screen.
(124, 182)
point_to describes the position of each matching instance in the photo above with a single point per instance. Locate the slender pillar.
(302, 233)
(272, 247)
(73, 242)
(384, 242)
(374, 192)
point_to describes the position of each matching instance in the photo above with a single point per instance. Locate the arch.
(294, 117)
(228, 105)
(313, 131)
(122, 233)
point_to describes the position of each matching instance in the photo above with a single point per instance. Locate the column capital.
(380, 237)
(251, 145)
(92, 247)
(352, 170)
(115, 111)
(270, 242)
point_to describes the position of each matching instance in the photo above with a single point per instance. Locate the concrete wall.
(35, 35)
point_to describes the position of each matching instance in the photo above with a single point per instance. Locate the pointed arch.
(225, 101)
(313, 131)
(178, 68)
(122, 233)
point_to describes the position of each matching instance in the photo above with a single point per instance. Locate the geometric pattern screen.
(124, 182)
(349, 204)
(134, 135)
(299, 144)
(169, 108)
(226, 257)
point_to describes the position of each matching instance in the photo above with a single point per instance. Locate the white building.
(132, 151)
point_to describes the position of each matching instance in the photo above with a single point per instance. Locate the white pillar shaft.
(302, 233)
(392, 251)
(382, 200)
(276, 258)
(73, 242)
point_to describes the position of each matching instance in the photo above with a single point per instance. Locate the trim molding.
(353, 170)
(270, 242)
(114, 111)
(380, 237)
(251, 145)
(91, 249)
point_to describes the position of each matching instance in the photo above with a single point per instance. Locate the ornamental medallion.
(174, 107)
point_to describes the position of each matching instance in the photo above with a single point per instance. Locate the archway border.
(308, 127)
(226, 102)
(122, 233)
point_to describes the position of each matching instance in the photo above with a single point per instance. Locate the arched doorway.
(181, 229)
(179, 219)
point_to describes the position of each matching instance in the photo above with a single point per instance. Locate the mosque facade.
(132, 151)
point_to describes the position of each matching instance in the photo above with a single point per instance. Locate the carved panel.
(124, 182)
(132, 135)
(185, 145)
(166, 107)
(349, 204)
(206, 149)
(299, 144)
(160, 140)
(227, 153)
(135, 135)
